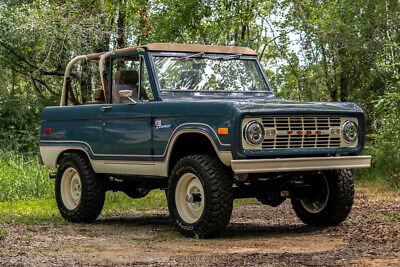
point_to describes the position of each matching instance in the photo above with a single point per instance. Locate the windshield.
(197, 72)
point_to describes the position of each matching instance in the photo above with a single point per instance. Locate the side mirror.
(126, 94)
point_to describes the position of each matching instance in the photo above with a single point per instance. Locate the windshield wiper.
(230, 57)
(201, 55)
(193, 56)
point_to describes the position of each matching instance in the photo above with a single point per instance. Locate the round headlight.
(350, 131)
(254, 133)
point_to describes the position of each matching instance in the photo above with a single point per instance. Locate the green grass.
(22, 178)
(374, 178)
(45, 211)
(3, 233)
(120, 202)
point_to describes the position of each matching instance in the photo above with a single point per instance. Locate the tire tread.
(93, 192)
(341, 199)
(219, 187)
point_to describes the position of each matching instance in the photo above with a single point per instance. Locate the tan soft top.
(172, 47)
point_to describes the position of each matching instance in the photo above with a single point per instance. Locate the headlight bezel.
(350, 125)
(246, 133)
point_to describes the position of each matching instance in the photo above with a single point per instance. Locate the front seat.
(127, 80)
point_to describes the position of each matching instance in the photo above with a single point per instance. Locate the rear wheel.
(80, 192)
(330, 199)
(200, 196)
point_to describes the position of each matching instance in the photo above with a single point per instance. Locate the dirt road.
(257, 235)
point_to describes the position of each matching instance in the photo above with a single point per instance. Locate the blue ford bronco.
(202, 123)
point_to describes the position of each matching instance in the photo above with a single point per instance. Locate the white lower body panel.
(50, 155)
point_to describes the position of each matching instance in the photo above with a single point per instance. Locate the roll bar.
(97, 56)
(64, 93)
(102, 72)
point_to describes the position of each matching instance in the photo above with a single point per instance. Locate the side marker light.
(223, 131)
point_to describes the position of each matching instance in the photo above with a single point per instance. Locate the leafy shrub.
(385, 144)
(22, 178)
(19, 123)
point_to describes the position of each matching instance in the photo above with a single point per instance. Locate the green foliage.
(20, 121)
(385, 144)
(21, 178)
(312, 51)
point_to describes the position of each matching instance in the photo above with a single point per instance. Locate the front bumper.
(299, 164)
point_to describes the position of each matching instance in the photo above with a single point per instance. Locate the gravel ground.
(257, 235)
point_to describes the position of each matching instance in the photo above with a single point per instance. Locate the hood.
(261, 103)
(285, 106)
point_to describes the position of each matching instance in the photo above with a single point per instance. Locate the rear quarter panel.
(72, 127)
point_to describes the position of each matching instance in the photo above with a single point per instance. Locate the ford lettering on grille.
(302, 132)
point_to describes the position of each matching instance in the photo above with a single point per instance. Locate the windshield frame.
(152, 56)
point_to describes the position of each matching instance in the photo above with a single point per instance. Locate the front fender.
(221, 149)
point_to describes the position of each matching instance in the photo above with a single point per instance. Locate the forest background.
(333, 50)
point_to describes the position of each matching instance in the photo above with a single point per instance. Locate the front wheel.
(330, 199)
(200, 196)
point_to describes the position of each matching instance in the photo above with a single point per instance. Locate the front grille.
(301, 132)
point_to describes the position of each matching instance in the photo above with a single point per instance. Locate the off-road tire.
(218, 191)
(93, 190)
(340, 201)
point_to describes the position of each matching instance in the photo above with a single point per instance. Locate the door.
(127, 121)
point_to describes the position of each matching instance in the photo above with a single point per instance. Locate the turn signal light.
(223, 131)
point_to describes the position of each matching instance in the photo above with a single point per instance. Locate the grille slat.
(298, 126)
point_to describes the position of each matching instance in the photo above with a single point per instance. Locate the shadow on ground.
(234, 230)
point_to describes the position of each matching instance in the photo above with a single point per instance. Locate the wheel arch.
(71, 150)
(51, 155)
(201, 143)
(97, 166)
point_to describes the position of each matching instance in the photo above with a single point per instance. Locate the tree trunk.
(344, 75)
(121, 39)
(328, 79)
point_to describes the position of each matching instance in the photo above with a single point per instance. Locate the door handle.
(105, 108)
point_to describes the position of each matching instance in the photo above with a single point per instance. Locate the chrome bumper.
(299, 164)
